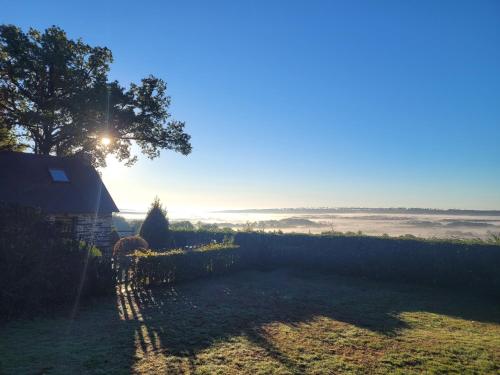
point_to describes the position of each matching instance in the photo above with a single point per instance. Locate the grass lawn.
(281, 322)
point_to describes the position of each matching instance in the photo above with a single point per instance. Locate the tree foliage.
(55, 94)
(182, 225)
(8, 141)
(155, 228)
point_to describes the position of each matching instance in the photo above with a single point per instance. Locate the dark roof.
(25, 180)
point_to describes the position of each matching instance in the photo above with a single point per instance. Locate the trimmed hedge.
(152, 268)
(437, 263)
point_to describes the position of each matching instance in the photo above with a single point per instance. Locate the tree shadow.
(186, 319)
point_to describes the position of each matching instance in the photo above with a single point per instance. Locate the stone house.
(67, 189)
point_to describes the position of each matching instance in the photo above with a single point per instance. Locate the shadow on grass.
(187, 319)
(168, 329)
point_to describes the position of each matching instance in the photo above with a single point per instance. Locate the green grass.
(264, 322)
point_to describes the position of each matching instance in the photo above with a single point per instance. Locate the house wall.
(89, 228)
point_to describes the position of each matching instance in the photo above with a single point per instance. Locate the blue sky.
(306, 103)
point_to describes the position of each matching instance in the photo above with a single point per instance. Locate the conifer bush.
(155, 228)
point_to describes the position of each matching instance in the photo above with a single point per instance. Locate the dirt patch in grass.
(263, 322)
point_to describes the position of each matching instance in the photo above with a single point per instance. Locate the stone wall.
(89, 228)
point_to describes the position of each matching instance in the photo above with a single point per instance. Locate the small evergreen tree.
(154, 229)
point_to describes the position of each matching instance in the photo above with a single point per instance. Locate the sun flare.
(105, 141)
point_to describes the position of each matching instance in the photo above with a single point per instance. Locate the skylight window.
(58, 175)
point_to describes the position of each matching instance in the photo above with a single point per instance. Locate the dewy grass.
(281, 322)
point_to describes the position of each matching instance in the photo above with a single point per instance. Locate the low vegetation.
(151, 268)
(42, 268)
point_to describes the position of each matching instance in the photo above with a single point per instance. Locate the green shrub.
(93, 251)
(153, 268)
(41, 268)
(127, 245)
(154, 229)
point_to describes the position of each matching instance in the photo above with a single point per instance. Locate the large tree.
(55, 96)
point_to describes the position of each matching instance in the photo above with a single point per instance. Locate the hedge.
(151, 268)
(425, 262)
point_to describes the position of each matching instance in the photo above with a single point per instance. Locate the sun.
(105, 141)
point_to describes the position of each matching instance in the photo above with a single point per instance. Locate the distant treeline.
(457, 265)
(341, 210)
(128, 227)
(290, 222)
